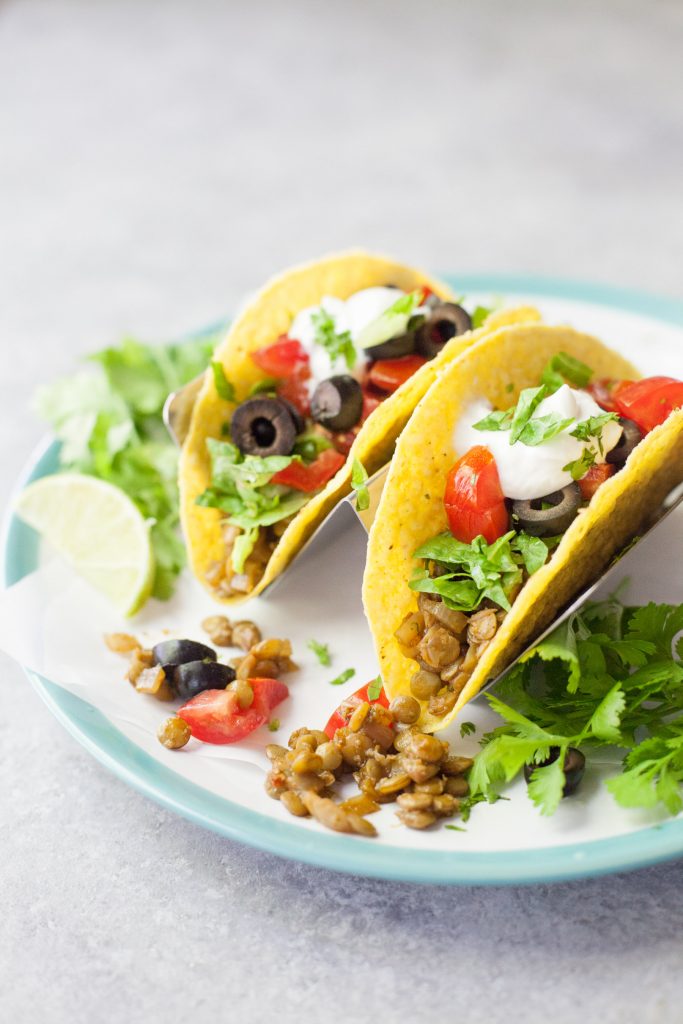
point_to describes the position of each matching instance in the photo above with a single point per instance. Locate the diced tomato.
(370, 403)
(425, 292)
(312, 477)
(343, 441)
(284, 358)
(341, 716)
(295, 390)
(389, 374)
(474, 500)
(595, 476)
(648, 402)
(215, 716)
(602, 391)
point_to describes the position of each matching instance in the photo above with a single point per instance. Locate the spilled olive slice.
(337, 402)
(192, 678)
(559, 511)
(263, 426)
(574, 765)
(394, 348)
(170, 653)
(630, 437)
(445, 321)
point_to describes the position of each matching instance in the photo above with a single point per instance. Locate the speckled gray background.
(156, 160)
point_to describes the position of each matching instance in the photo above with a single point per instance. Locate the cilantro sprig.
(359, 480)
(321, 651)
(609, 676)
(337, 344)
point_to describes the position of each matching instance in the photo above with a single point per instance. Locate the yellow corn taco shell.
(267, 316)
(411, 508)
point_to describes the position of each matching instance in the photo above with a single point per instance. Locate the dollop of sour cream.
(532, 472)
(353, 315)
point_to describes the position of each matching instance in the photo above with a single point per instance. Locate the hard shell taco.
(320, 371)
(535, 456)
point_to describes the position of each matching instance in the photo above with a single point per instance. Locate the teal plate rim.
(19, 549)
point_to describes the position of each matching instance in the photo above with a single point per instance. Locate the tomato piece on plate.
(648, 402)
(341, 716)
(474, 500)
(389, 374)
(284, 358)
(595, 476)
(215, 716)
(312, 477)
(370, 403)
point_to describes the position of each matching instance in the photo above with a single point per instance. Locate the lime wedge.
(98, 529)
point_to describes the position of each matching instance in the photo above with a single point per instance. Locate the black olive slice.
(574, 765)
(263, 426)
(444, 322)
(630, 437)
(298, 419)
(170, 653)
(559, 513)
(337, 402)
(192, 678)
(394, 348)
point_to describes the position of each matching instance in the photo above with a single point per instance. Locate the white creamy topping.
(532, 472)
(352, 315)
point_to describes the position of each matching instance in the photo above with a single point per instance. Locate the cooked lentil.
(174, 733)
(245, 634)
(219, 630)
(121, 643)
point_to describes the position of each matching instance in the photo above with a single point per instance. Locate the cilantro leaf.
(375, 688)
(547, 783)
(359, 477)
(480, 315)
(337, 345)
(467, 728)
(528, 402)
(391, 323)
(321, 651)
(579, 467)
(540, 429)
(344, 677)
(495, 421)
(593, 428)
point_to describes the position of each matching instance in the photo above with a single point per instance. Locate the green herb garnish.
(480, 314)
(110, 425)
(477, 571)
(359, 479)
(609, 676)
(321, 651)
(224, 387)
(563, 367)
(593, 427)
(375, 688)
(337, 345)
(266, 386)
(392, 322)
(455, 828)
(349, 673)
(273, 725)
(467, 728)
(579, 467)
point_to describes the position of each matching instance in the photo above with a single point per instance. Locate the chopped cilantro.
(479, 316)
(593, 427)
(579, 467)
(359, 479)
(467, 728)
(337, 345)
(563, 367)
(528, 402)
(476, 571)
(375, 688)
(225, 389)
(347, 674)
(392, 322)
(321, 651)
(455, 828)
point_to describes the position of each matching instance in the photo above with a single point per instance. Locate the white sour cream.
(531, 472)
(352, 315)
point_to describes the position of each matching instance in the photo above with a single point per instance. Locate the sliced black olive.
(445, 321)
(574, 764)
(394, 348)
(170, 653)
(560, 511)
(630, 437)
(192, 678)
(263, 426)
(337, 402)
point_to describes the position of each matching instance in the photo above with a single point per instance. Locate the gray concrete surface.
(156, 160)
